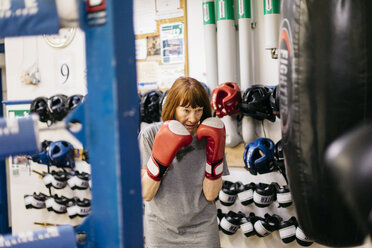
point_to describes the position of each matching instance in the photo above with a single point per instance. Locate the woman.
(179, 207)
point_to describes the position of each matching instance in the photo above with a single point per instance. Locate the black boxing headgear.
(256, 103)
(150, 106)
(57, 107)
(40, 106)
(274, 101)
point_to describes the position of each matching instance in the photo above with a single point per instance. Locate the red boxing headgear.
(226, 99)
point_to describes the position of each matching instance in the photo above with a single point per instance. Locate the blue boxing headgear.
(206, 89)
(61, 154)
(259, 156)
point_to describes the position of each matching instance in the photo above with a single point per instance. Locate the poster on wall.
(172, 43)
(168, 74)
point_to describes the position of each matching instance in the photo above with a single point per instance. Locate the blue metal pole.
(111, 124)
(4, 219)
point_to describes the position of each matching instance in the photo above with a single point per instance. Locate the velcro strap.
(301, 235)
(284, 197)
(51, 204)
(82, 211)
(260, 229)
(155, 170)
(228, 226)
(78, 183)
(262, 200)
(225, 198)
(247, 227)
(246, 195)
(214, 171)
(288, 231)
(31, 202)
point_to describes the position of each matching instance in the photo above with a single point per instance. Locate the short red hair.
(186, 91)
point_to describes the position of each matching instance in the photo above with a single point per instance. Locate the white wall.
(21, 54)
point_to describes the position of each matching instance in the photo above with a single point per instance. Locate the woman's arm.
(211, 188)
(149, 186)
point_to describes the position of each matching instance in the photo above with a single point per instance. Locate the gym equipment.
(35, 200)
(61, 154)
(245, 192)
(170, 138)
(226, 99)
(287, 230)
(325, 91)
(301, 237)
(258, 156)
(245, 49)
(228, 193)
(246, 224)
(230, 223)
(226, 44)
(213, 130)
(210, 42)
(39, 106)
(73, 101)
(113, 121)
(264, 195)
(57, 204)
(256, 103)
(264, 226)
(55, 179)
(206, 89)
(57, 107)
(79, 180)
(150, 106)
(271, 24)
(349, 161)
(283, 195)
(275, 101)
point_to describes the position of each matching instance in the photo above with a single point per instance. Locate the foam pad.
(325, 90)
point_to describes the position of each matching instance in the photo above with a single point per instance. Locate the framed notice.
(172, 43)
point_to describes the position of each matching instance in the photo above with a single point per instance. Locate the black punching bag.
(349, 160)
(325, 90)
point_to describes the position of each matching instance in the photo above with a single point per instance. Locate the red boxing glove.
(226, 99)
(171, 137)
(214, 130)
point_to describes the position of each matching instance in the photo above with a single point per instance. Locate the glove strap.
(214, 171)
(156, 170)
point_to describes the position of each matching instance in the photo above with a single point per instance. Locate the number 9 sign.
(63, 71)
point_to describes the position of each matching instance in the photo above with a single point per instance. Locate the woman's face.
(189, 117)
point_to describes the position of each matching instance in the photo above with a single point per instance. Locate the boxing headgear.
(150, 106)
(256, 103)
(259, 156)
(274, 101)
(206, 89)
(226, 99)
(61, 154)
(57, 107)
(162, 101)
(73, 101)
(40, 106)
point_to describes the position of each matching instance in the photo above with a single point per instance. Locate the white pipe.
(271, 23)
(210, 43)
(227, 62)
(226, 42)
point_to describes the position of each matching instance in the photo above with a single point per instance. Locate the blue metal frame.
(4, 218)
(111, 120)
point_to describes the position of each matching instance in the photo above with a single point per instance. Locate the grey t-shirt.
(179, 215)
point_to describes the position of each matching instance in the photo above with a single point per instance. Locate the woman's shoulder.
(149, 130)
